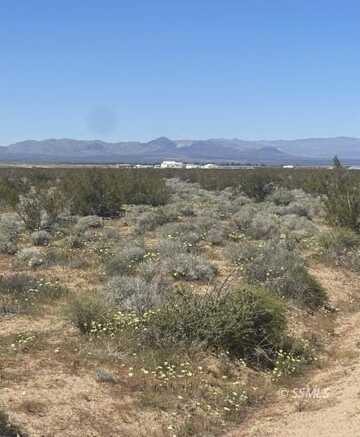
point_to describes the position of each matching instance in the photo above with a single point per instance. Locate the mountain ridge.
(280, 151)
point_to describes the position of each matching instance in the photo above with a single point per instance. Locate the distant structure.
(288, 166)
(192, 166)
(172, 164)
(210, 166)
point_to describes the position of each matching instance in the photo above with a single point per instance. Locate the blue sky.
(118, 69)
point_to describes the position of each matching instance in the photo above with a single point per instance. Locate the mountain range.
(219, 150)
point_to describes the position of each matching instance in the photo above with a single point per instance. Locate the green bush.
(240, 321)
(342, 201)
(85, 310)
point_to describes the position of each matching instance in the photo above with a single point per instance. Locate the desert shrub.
(125, 258)
(103, 192)
(148, 221)
(281, 197)
(7, 246)
(298, 226)
(148, 269)
(29, 209)
(88, 222)
(9, 230)
(85, 310)
(342, 201)
(241, 252)
(257, 185)
(220, 232)
(31, 257)
(294, 208)
(190, 267)
(341, 246)
(264, 226)
(282, 271)
(240, 321)
(40, 238)
(170, 246)
(131, 293)
(53, 203)
(187, 233)
(244, 217)
(93, 192)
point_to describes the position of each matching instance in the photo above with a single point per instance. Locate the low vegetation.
(185, 294)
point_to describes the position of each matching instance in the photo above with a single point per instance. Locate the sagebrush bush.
(241, 252)
(137, 294)
(264, 226)
(248, 323)
(297, 226)
(125, 259)
(88, 222)
(188, 233)
(281, 197)
(282, 271)
(190, 267)
(244, 217)
(148, 221)
(220, 232)
(40, 238)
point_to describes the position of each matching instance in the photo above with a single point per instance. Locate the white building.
(172, 164)
(210, 166)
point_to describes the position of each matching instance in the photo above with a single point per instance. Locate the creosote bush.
(247, 322)
(342, 201)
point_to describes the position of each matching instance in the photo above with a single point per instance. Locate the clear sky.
(119, 69)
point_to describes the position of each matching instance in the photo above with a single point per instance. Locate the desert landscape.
(179, 302)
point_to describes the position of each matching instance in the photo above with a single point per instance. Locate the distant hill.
(301, 151)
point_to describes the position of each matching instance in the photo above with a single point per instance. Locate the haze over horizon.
(139, 70)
